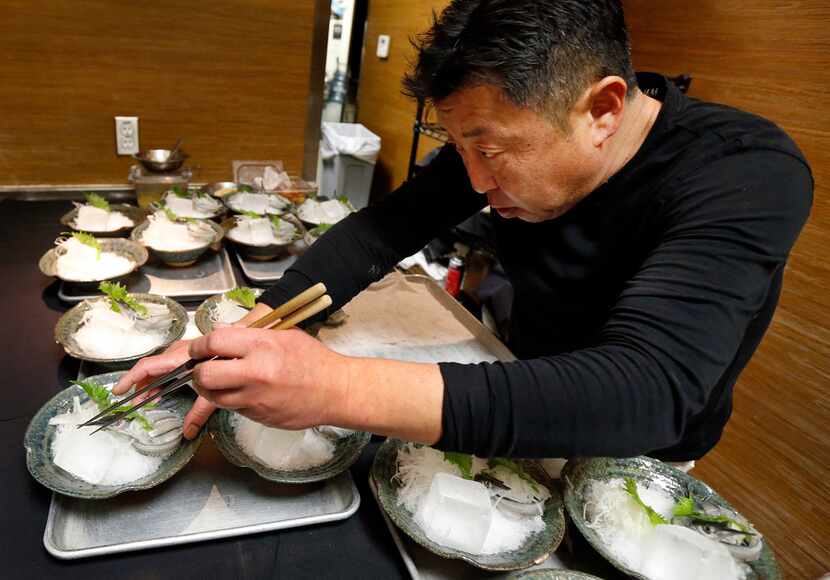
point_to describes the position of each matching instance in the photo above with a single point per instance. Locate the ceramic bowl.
(536, 548)
(579, 473)
(269, 251)
(40, 435)
(552, 574)
(346, 451)
(70, 322)
(134, 251)
(202, 317)
(182, 258)
(135, 213)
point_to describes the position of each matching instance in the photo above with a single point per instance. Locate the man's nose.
(481, 178)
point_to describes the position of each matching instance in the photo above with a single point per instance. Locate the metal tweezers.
(303, 306)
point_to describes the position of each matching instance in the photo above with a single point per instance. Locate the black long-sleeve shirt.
(633, 313)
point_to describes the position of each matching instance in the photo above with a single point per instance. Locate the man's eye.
(489, 154)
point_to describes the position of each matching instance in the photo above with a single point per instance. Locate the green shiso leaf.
(319, 230)
(245, 188)
(96, 200)
(101, 396)
(89, 240)
(118, 296)
(98, 394)
(630, 488)
(462, 461)
(685, 508)
(179, 192)
(515, 468)
(251, 214)
(275, 221)
(244, 296)
(170, 215)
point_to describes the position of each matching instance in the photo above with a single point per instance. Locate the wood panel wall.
(231, 78)
(381, 106)
(770, 58)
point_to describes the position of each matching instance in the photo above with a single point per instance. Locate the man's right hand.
(152, 367)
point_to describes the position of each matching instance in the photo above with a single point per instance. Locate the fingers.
(198, 415)
(149, 368)
(220, 375)
(231, 342)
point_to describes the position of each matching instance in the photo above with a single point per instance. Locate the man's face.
(527, 167)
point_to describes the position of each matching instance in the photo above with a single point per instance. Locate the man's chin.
(518, 213)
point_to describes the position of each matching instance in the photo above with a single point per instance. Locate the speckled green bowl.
(202, 316)
(579, 473)
(134, 251)
(40, 435)
(346, 452)
(536, 548)
(70, 322)
(552, 574)
(135, 213)
(269, 251)
(181, 258)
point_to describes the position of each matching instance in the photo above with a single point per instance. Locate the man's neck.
(639, 117)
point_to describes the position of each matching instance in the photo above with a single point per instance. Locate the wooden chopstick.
(300, 300)
(307, 311)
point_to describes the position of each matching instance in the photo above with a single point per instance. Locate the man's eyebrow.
(475, 132)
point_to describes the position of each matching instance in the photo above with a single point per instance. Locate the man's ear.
(604, 102)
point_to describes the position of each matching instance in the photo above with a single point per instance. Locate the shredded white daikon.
(227, 311)
(78, 261)
(104, 458)
(163, 234)
(280, 448)
(95, 219)
(106, 334)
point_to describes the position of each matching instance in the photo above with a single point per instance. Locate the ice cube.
(261, 231)
(681, 553)
(92, 218)
(76, 455)
(273, 445)
(456, 513)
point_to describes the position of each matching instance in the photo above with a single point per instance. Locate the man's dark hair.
(541, 53)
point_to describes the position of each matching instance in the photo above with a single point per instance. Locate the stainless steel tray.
(265, 273)
(208, 499)
(212, 274)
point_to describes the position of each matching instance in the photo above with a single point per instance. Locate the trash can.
(348, 152)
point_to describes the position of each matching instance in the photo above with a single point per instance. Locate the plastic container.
(349, 152)
(151, 187)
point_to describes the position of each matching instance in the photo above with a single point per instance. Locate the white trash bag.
(349, 139)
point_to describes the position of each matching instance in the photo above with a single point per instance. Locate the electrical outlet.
(126, 135)
(383, 46)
